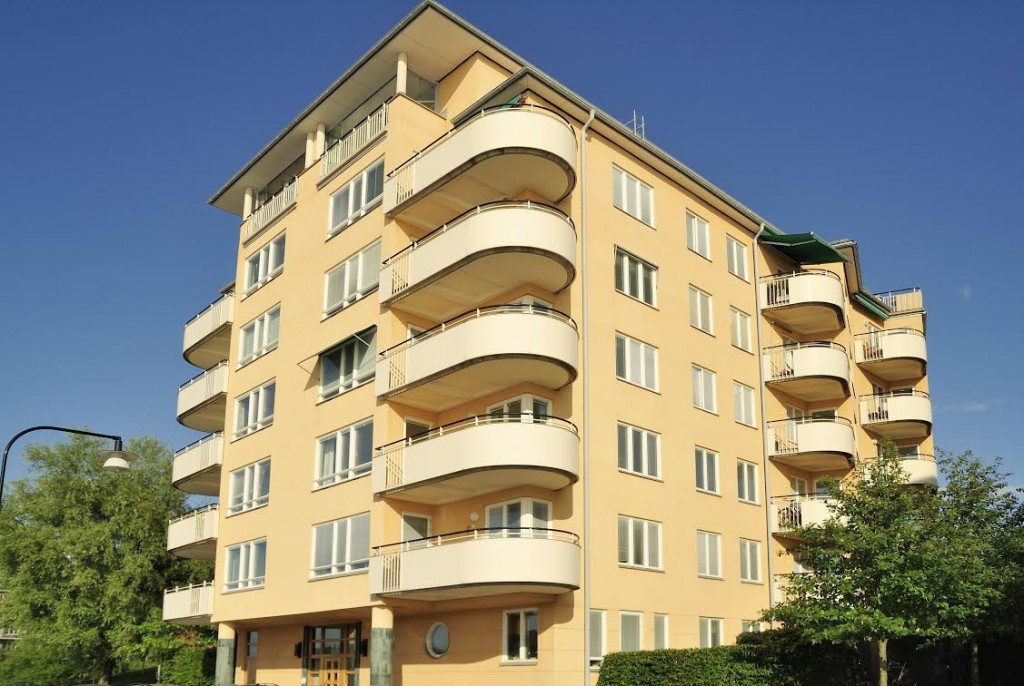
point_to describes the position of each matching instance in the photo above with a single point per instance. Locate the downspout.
(764, 424)
(586, 398)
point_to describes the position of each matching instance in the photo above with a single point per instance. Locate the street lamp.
(117, 460)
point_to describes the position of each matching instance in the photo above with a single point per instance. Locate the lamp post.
(118, 459)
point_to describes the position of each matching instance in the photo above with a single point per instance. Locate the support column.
(402, 75)
(382, 645)
(225, 672)
(321, 139)
(310, 148)
(250, 197)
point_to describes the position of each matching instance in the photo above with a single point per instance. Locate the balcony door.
(519, 518)
(414, 528)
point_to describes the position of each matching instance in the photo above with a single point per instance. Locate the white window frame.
(524, 657)
(600, 632)
(706, 464)
(268, 263)
(750, 626)
(737, 258)
(699, 378)
(750, 561)
(647, 356)
(698, 235)
(628, 193)
(661, 641)
(711, 632)
(340, 473)
(248, 563)
(527, 403)
(709, 551)
(342, 562)
(650, 465)
(359, 275)
(747, 478)
(639, 617)
(363, 343)
(739, 323)
(357, 185)
(743, 404)
(252, 482)
(702, 313)
(262, 342)
(528, 524)
(646, 543)
(630, 268)
(257, 415)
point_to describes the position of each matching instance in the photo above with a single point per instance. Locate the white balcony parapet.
(479, 562)
(891, 344)
(801, 360)
(921, 470)
(794, 511)
(812, 443)
(202, 388)
(796, 288)
(189, 604)
(903, 301)
(273, 208)
(192, 529)
(349, 145)
(207, 322)
(196, 458)
(898, 408)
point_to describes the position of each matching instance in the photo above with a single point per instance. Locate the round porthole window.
(438, 640)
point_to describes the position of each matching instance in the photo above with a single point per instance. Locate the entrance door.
(333, 655)
(252, 639)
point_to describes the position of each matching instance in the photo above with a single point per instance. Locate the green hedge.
(734, 665)
(191, 667)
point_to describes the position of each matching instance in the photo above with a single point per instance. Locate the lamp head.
(118, 460)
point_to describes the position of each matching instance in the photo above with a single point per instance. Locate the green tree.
(83, 558)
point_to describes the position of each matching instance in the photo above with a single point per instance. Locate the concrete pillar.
(250, 198)
(402, 75)
(310, 148)
(382, 645)
(225, 671)
(321, 139)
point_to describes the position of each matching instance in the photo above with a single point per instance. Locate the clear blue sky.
(897, 124)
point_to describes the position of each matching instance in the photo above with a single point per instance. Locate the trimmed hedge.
(193, 666)
(734, 665)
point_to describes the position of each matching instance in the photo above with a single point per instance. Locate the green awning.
(804, 248)
(870, 304)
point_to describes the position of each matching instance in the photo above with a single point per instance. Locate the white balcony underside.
(207, 337)
(203, 401)
(921, 472)
(194, 536)
(811, 374)
(897, 417)
(197, 468)
(893, 356)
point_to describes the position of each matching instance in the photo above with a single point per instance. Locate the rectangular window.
(639, 542)
(709, 554)
(353, 279)
(520, 636)
(697, 238)
(746, 481)
(750, 561)
(357, 197)
(737, 253)
(525, 517)
(636, 362)
(710, 632)
(259, 336)
(631, 635)
(352, 363)
(707, 469)
(635, 278)
(597, 637)
(341, 546)
(743, 403)
(526, 408)
(254, 410)
(740, 326)
(639, 451)
(660, 632)
(344, 454)
(704, 389)
(250, 487)
(264, 265)
(750, 626)
(700, 310)
(633, 196)
(246, 565)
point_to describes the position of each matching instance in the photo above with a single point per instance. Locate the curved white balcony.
(812, 444)
(196, 467)
(897, 415)
(893, 355)
(485, 252)
(806, 302)
(809, 371)
(189, 604)
(207, 338)
(479, 353)
(500, 153)
(476, 563)
(921, 470)
(478, 455)
(194, 535)
(790, 512)
(202, 400)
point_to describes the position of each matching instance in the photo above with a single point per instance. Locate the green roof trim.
(804, 248)
(868, 304)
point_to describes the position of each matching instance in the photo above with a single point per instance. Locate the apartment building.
(501, 387)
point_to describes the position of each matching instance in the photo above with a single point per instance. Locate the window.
(246, 565)
(259, 336)
(660, 632)
(737, 255)
(250, 487)
(526, 517)
(341, 546)
(344, 454)
(633, 196)
(704, 389)
(636, 362)
(254, 410)
(357, 197)
(750, 561)
(639, 542)
(746, 481)
(520, 635)
(264, 265)
(700, 310)
(710, 632)
(597, 637)
(438, 640)
(740, 326)
(636, 278)
(709, 554)
(743, 403)
(352, 279)
(707, 469)
(252, 644)
(639, 451)
(697, 238)
(524, 407)
(750, 626)
(352, 363)
(631, 635)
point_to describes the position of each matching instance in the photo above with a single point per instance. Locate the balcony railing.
(814, 444)
(273, 208)
(202, 388)
(795, 511)
(780, 290)
(349, 145)
(194, 460)
(193, 534)
(906, 405)
(879, 345)
(189, 604)
(200, 328)
(810, 371)
(903, 301)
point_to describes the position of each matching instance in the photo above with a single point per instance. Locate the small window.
(639, 451)
(700, 310)
(737, 253)
(743, 403)
(254, 410)
(635, 277)
(697, 238)
(636, 362)
(750, 626)
(357, 197)
(710, 632)
(341, 546)
(660, 632)
(639, 542)
(344, 454)
(353, 279)
(750, 561)
(707, 469)
(264, 265)
(709, 554)
(520, 636)
(250, 487)
(632, 196)
(597, 637)
(704, 389)
(352, 363)
(740, 327)
(746, 481)
(246, 565)
(631, 635)
(260, 336)
(438, 640)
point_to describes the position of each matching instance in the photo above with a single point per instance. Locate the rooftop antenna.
(637, 124)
